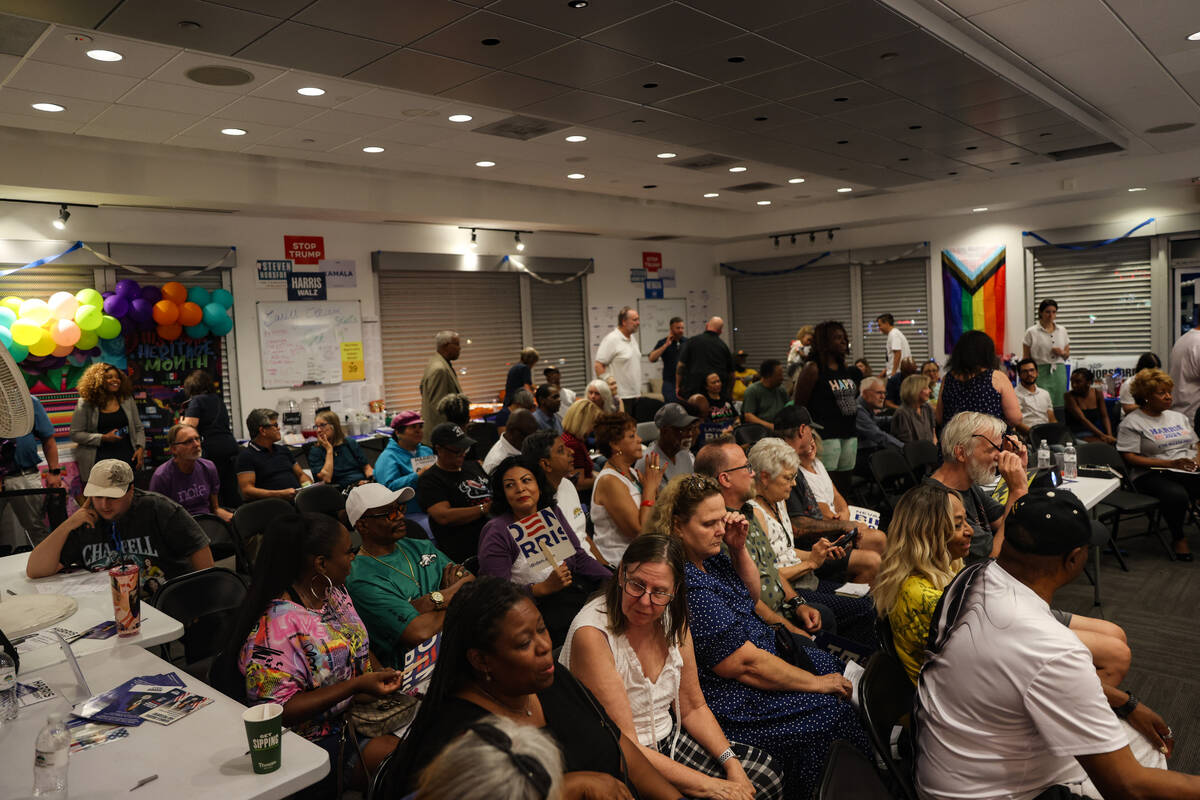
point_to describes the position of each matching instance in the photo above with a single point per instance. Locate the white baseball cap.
(373, 495)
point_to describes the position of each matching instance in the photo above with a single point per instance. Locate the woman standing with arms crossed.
(106, 422)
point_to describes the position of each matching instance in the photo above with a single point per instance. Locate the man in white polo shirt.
(1036, 407)
(619, 354)
(898, 348)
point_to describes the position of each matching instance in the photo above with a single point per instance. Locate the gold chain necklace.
(412, 569)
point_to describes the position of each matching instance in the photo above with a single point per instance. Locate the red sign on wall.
(304, 249)
(652, 262)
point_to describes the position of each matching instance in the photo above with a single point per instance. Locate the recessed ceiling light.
(51, 107)
(666, 155)
(649, 85)
(576, 176)
(104, 55)
(712, 194)
(310, 91)
(843, 141)
(736, 59)
(485, 163)
(576, 138)
(1137, 189)
(1195, 37)
(972, 147)
(841, 99)
(372, 149)
(190, 25)
(981, 208)
(233, 131)
(490, 42)
(845, 189)
(764, 202)
(737, 169)
(888, 56)
(460, 118)
(795, 180)
(577, 3)
(650, 186)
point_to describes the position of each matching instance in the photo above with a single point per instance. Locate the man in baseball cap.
(455, 493)
(400, 585)
(404, 458)
(119, 520)
(677, 430)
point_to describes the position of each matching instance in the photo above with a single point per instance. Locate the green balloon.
(89, 297)
(18, 352)
(87, 340)
(89, 317)
(110, 328)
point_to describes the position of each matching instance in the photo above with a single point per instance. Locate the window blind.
(899, 288)
(767, 311)
(558, 332)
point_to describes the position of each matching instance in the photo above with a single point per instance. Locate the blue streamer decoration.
(811, 261)
(1125, 235)
(42, 261)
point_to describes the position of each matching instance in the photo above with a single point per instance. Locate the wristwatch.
(55, 471)
(439, 600)
(1125, 710)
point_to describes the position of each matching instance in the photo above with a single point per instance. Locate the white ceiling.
(839, 92)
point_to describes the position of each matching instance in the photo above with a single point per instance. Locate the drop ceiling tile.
(765, 117)
(138, 124)
(665, 32)
(650, 84)
(710, 103)
(209, 129)
(1000, 109)
(579, 64)
(1126, 64)
(141, 59)
(464, 40)
(1015, 162)
(956, 98)
(18, 35)
(800, 78)
(950, 72)
(982, 151)
(171, 97)
(1035, 28)
(175, 71)
(54, 80)
(7, 64)
(1044, 140)
(410, 133)
(303, 139)
(849, 24)
(1158, 23)
(316, 49)
(637, 121)
(840, 99)
(752, 55)
(270, 112)
(418, 72)
(77, 13)
(208, 143)
(817, 133)
(578, 107)
(505, 90)
(1049, 146)
(286, 85)
(46, 122)
(756, 14)
(1037, 121)
(222, 29)
(971, 7)
(338, 121)
(281, 9)
(20, 103)
(904, 53)
(392, 103)
(395, 21)
(558, 16)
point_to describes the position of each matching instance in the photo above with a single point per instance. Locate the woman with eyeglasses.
(298, 641)
(631, 646)
(495, 758)
(496, 658)
(336, 458)
(519, 490)
(792, 712)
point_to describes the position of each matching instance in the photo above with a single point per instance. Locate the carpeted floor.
(1157, 603)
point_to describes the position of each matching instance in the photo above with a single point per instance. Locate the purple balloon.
(142, 309)
(147, 324)
(116, 306)
(152, 294)
(128, 288)
(107, 295)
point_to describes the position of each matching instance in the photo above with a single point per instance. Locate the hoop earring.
(328, 588)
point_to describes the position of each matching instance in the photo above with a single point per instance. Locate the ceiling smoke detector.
(218, 75)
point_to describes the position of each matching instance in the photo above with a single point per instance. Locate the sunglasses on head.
(527, 765)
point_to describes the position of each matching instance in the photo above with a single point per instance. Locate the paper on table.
(853, 672)
(73, 584)
(43, 638)
(853, 589)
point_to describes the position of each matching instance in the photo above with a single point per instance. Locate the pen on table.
(144, 781)
(10, 591)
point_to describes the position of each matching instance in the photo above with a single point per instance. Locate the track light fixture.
(520, 244)
(793, 236)
(63, 216)
(474, 239)
(793, 240)
(830, 232)
(776, 238)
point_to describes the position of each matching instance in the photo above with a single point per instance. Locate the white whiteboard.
(655, 317)
(302, 342)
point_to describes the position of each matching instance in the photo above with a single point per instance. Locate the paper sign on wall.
(652, 262)
(654, 288)
(339, 272)
(274, 271)
(304, 249)
(354, 366)
(668, 278)
(636, 274)
(306, 286)
(545, 528)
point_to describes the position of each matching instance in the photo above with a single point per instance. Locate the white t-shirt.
(566, 398)
(1169, 435)
(820, 483)
(567, 499)
(623, 359)
(896, 341)
(1185, 371)
(500, 451)
(684, 463)
(1040, 341)
(1010, 701)
(1035, 405)
(1125, 396)
(607, 537)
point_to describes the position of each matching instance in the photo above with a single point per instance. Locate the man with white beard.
(975, 448)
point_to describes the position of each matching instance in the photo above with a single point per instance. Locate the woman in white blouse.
(1049, 345)
(632, 648)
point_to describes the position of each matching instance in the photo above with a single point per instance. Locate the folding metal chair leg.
(1116, 550)
(1161, 536)
(1096, 579)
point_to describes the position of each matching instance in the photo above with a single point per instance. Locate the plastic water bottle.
(1043, 455)
(8, 688)
(1070, 462)
(50, 758)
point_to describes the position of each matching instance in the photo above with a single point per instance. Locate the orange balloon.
(190, 314)
(174, 291)
(166, 312)
(170, 332)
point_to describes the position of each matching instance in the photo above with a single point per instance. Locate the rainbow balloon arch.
(70, 326)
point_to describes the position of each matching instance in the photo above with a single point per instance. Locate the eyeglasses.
(745, 466)
(193, 440)
(395, 512)
(272, 425)
(636, 589)
(527, 765)
(1006, 443)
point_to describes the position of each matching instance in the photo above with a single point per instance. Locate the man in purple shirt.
(187, 478)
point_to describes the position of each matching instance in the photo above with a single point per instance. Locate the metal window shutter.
(1105, 295)
(768, 311)
(413, 306)
(558, 332)
(900, 289)
(41, 282)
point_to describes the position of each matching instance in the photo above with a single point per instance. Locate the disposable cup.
(264, 732)
(127, 606)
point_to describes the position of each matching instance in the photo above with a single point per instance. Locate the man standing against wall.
(439, 379)
(1185, 371)
(668, 350)
(700, 357)
(897, 343)
(619, 353)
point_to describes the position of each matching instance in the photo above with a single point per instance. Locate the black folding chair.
(1124, 502)
(922, 457)
(748, 434)
(205, 602)
(485, 434)
(644, 409)
(1053, 432)
(892, 474)
(322, 498)
(849, 775)
(222, 540)
(251, 519)
(885, 697)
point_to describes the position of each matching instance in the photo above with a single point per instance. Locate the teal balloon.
(7, 317)
(213, 313)
(224, 325)
(223, 296)
(18, 352)
(199, 295)
(6, 337)
(196, 331)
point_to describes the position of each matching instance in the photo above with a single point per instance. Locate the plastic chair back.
(647, 432)
(205, 602)
(923, 457)
(1103, 455)
(891, 472)
(372, 448)
(644, 409)
(850, 776)
(1052, 432)
(418, 525)
(322, 498)
(885, 698)
(748, 434)
(485, 434)
(251, 519)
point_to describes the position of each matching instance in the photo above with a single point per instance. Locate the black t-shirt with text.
(468, 487)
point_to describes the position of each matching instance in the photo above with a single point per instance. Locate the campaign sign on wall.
(339, 272)
(304, 249)
(542, 527)
(306, 286)
(273, 271)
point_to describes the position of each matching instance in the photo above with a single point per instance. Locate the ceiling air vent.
(705, 161)
(1085, 152)
(219, 75)
(522, 128)
(757, 186)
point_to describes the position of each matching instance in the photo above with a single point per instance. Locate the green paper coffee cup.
(264, 731)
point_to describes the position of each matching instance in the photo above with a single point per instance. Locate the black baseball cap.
(449, 434)
(792, 417)
(1051, 522)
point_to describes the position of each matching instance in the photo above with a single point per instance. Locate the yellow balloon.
(13, 304)
(44, 346)
(25, 332)
(36, 311)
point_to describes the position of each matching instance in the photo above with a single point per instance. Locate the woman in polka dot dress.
(973, 383)
(758, 698)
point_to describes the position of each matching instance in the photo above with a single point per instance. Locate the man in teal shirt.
(395, 468)
(400, 586)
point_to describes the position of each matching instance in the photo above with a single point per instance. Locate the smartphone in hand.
(847, 539)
